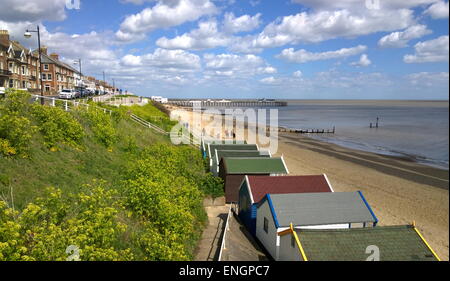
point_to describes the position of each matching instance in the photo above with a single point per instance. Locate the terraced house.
(19, 66)
(56, 75)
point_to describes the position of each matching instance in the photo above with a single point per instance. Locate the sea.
(418, 130)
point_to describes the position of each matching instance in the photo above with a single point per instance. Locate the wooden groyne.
(222, 103)
(308, 131)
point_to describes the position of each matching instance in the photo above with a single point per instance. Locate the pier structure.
(228, 103)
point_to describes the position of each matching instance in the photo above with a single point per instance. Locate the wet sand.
(399, 191)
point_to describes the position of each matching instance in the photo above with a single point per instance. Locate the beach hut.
(381, 243)
(325, 210)
(254, 188)
(233, 170)
(212, 147)
(219, 154)
(205, 141)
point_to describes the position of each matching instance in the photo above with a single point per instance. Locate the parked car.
(2, 91)
(67, 94)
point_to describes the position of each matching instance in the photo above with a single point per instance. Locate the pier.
(228, 103)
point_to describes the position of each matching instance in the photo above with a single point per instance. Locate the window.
(47, 88)
(49, 77)
(11, 66)
(23, 70)
(24, 84)
(266, 225)
(11, 83)
(44, 76)
(45, 66)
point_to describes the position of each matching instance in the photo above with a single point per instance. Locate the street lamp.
(27, 35)
(81, 76)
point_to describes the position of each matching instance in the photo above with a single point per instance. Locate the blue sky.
(299, 49)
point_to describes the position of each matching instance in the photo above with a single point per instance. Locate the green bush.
(15, 127)
(212, 186)
(45, 229)
(102, 126)
(57, 126)
(163, 187)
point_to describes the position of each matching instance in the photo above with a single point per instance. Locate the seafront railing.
(66, 104)
(224, 238)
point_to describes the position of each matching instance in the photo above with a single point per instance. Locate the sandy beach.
(399, 191)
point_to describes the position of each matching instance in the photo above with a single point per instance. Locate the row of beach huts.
(301, 217)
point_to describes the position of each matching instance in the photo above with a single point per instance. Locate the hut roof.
(251, 165)
(261, 185)
(212, 147)
(309, 209)
(395, 243)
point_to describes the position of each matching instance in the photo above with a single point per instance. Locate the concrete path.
(240, 244)
(208, 247)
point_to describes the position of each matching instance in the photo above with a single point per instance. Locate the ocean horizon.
(413, 129)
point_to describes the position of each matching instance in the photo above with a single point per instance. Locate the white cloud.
(236, 65)
(206, 36)
(320, 26)
(269, 80)
(302, 56)
(297, 74)
(172, 60)
(400, 39)
(267, 70)
(32, 10)
(243, 23)
(435, 50)
(439, 10)
(362, 4)
(163, 14)
(363, 61)
(428, 79)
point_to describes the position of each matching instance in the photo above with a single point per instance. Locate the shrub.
(15, 127)
(44, 229)
(57, 125)
(6, 149)
(212, 186)
(102, 126)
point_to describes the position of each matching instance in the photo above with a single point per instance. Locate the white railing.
(147, 124)
(68, 104)
(223, 245)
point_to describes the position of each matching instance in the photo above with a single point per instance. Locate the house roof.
(395, 243)
(308, 209)
(49, 60)
(252, 165)
(261, 185)
(212, 147)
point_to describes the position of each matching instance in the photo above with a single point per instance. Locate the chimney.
(44, 50)
(4, 37)
(54, 56)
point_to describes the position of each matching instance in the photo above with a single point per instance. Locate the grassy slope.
(69, 167)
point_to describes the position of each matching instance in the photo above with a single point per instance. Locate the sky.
(286, 49)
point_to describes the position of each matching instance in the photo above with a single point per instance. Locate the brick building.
(19, 66)
(20, 69)
(56, 75)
